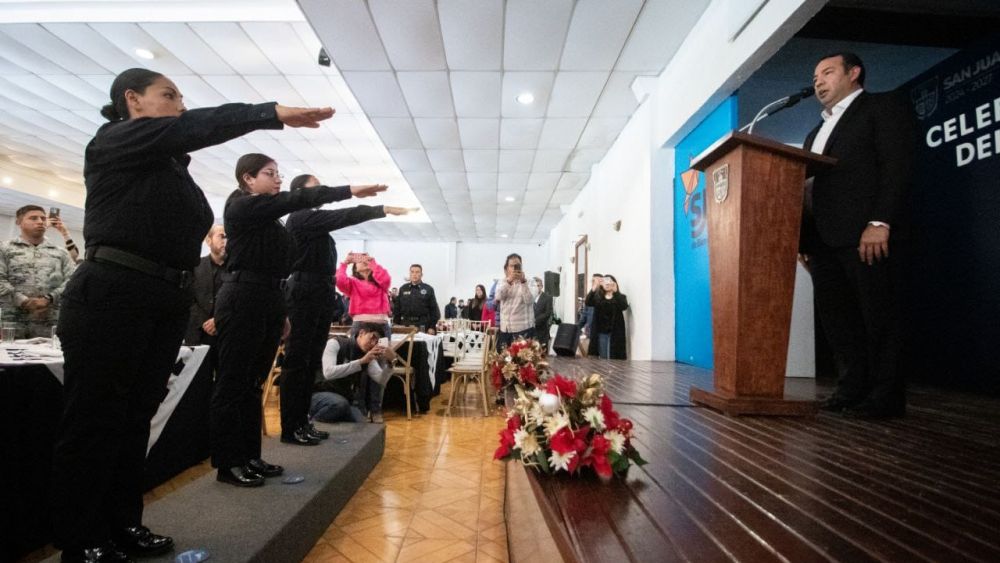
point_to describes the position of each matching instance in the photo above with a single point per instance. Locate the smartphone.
(517, 267)
(53, 212)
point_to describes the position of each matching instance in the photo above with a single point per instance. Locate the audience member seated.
(345, 361)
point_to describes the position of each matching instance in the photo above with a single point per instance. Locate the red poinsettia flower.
(507, 437)
(516, 347)
(496, 375)
(559, 385)
(599, 456)
(529, 375)
(611, 417)
(562, 441)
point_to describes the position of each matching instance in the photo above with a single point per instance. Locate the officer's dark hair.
(851, 60)
(250, 164)
(27, 209)
(135, 79)
(509, 256)
(372, 327)
(417, 266)
(300, 182)
(597, 276)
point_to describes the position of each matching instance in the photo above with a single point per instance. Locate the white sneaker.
(377, 418)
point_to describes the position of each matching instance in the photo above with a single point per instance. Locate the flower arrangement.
(522, 363)
(563, 426)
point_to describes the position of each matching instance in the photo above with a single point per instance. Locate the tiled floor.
(436, 495)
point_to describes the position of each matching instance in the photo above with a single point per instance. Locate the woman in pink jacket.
(367, 287)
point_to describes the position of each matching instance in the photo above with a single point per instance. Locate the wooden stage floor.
(922, 488)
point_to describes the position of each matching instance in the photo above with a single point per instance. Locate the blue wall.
(692, 295)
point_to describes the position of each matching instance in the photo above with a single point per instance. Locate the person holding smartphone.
(516, 304)
(55, 222)
(608, 339)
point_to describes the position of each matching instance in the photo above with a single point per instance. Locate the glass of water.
(56, 345)
(9, 332)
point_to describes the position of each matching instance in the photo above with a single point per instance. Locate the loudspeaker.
(552, 283)
(565, 340)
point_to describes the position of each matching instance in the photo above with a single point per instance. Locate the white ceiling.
(424, 90)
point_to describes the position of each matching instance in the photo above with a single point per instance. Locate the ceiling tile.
(47, 45)
(597, 33)
(572, 181)
(446, 160)
(538, 84)
(397, 132)
(348, 33)
(276, 87)
(658, 32)
(26, 57)
(476, 94)
(481, 160)
(452, 181)
(438, 133)
(520, 133)
(428, 94)
(617, 99)
(545, 181)
(561, 133)
(516, 160)
(88, 41)
(129, 36)
(602, 132)
(290, 55)
(482, 181)
(575, 93)
(411, 160)
(410, 32)
(512, 181)
(233, 44)
(550, 160)
(234, 87)
(188, 46)
(564, 196)
(534, 33)
(318, 91)
(582, 159)
(479, 133)
(472, 33)
(378, 93)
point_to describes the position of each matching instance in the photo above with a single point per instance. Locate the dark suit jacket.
(203, 307)
(874, 143)
(543, 311)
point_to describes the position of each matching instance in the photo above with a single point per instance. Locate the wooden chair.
(477, 368)
(269, 386)
(401, 329)
(340, 330)
(402, 365)
(479, 326)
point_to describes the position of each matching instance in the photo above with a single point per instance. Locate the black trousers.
(310, 311)
(858, 306)
(120, 332)
(249, 319)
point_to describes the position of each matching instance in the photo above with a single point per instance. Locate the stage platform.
(920, 488)
(277, 522)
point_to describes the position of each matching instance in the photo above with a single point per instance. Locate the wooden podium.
(753, 190)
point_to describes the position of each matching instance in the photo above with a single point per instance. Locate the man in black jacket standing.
(543, 314)
(206, 284)
(852, 211)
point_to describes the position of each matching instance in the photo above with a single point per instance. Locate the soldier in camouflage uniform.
(33, 273)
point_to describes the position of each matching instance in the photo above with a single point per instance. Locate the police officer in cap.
(417, 305)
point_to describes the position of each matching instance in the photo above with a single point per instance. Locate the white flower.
(560, 461)
(549, 403)
(595, 417)
(555, 422)
(526, 442)
(617, 441)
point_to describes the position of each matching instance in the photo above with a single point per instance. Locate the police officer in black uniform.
(125, 310)
(309, 296)
(417, 305)
(250, 311)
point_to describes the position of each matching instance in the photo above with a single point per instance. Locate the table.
(429, 370)
(31, 402)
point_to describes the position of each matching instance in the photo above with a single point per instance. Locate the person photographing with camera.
(516, 303)
(608, 335)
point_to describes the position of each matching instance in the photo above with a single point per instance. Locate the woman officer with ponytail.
(125, 309)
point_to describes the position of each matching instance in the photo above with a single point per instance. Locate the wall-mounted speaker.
(552, 283)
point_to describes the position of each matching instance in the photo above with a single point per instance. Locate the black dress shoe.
(836, 403)
(264, 468)
(300, 437)
(875, 411)
(317, 433)
(139, 541)
(104, 554)
(240, 476)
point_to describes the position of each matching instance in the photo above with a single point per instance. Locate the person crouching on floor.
(345, 360)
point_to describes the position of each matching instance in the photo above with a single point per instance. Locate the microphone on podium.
(778, 105)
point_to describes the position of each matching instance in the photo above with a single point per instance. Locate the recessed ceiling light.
(53, 193)
(8, 180)
(525, 98)
(144, 54)
(509, 199)
(503, 235)
(356, 233)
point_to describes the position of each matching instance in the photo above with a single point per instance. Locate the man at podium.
(854, 232)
